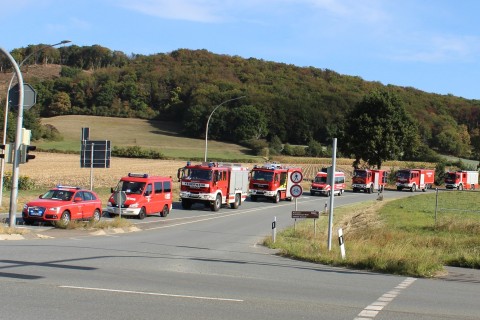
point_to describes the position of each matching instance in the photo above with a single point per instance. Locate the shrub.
(136, 152)
(24, 182)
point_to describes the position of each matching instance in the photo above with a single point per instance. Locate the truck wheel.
(460, 187)
(186, 204)
(277, 198)
(414, 188)
(340, 192)
(165, 211)
(312, 193)
(142, 214)
(399, 188)
(328, 193)
(253, 198)
(217, 204)
(355, 189)
(236, 203)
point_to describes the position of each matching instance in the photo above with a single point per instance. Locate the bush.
(136, 152)
(24, 182)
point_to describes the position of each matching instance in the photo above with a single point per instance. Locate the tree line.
(285, 105)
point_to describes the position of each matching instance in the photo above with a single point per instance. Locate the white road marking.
(373, 309)
(153, 294)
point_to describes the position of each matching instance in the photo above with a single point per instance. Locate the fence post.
(436, 205)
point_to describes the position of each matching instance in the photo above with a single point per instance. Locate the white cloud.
(439, 49)
(190, 10)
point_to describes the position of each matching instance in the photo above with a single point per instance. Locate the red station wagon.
(63, 203)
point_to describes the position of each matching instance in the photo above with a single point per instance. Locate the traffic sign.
(296, 190)
(296, 177)
(305, 214)
(29, 96)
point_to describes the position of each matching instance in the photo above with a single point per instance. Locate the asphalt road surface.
(198, 264)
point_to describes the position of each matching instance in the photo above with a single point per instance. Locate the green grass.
(399, 237)
(165, 137)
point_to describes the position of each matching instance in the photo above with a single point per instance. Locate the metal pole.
(208, 121)
(332, 193)
(436, 205)
(5, 119)
(91, 167)
(18, 140)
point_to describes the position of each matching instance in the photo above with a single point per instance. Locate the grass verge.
(399, 237)
(117, 222)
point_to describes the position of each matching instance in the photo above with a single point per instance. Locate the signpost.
(306, 215)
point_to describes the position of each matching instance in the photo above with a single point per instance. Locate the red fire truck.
(369, 180)
(272, 181)
(414, 179)
(320, 184)
(213, 184)
(461, 180)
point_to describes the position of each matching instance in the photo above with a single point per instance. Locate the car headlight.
(109, 204)
(25, 207)
(134, 205)
(54, 209)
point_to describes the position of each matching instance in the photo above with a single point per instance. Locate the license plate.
(35, 213)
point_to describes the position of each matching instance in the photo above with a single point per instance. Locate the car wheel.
(64, 219)
(236, 203)
(142, 214)
(217, 204)
(96, 216)
(165, 211)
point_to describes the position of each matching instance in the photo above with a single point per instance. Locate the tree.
(61, 104)
(379, 129)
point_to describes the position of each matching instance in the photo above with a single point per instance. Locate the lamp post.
(208, 121)
(5, 118)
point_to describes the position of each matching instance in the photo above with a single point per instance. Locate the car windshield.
(262, 175)
(131, 187)
(199, 174)
(58, 195)
(321, 179)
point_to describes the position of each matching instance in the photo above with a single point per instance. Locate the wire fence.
(457, 202)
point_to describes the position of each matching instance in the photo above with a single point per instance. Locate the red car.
(63, 203)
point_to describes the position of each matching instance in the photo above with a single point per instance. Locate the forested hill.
(286, 103)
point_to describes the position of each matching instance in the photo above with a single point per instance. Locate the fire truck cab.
(271, 181)
(369, 180)
(320, 184)
(144, 195)
(461, 180)
(213, 184)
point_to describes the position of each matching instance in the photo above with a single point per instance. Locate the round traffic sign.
(296, 177)
(296, 190)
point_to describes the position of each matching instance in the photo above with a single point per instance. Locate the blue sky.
(431, 45)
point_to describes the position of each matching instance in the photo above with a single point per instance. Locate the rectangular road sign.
(305, 214)
(95, 154)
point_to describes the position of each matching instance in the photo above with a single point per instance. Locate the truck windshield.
(199, 174)
(262, 175)
(359, 173)
(131, 187)
(403, 174)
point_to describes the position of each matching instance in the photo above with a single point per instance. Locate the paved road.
(197, 264)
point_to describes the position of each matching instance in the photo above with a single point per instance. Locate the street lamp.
(20, 121)
(208, 121)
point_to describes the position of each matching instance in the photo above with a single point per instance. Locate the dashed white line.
(153, 294)
(373, 309)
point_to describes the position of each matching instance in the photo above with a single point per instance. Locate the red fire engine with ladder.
(213, 184)
(272, 181)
